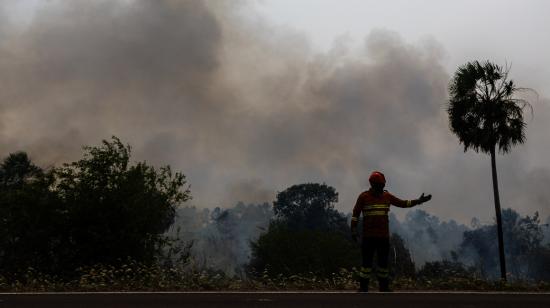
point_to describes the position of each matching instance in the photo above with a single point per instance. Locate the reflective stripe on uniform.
(382, 272)
(409, 203)
(365, 272)
(354, 219)
(376, 206)
(375, 213)
(376, 209)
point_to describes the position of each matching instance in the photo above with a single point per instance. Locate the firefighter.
(374, 204)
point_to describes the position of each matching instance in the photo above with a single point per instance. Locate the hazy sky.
(250, 97)
(501, 30)
(505, 31)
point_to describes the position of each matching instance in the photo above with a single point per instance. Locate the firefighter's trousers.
(370, 246)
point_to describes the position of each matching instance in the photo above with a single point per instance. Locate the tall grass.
(133, 276)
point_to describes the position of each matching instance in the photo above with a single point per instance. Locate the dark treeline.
(104, 209)
(421, 243)
(100, 209)
(526, 254)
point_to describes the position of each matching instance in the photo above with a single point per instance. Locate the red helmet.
(377, 177)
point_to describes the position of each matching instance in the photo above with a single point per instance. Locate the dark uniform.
(375, 206)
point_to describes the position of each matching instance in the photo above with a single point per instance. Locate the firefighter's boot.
(383, 280)
(364, 276)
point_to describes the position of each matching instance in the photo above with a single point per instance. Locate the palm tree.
(485, 114)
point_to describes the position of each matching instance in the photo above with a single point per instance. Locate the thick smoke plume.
(245, 108)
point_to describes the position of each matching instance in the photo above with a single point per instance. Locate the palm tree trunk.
(499, 218)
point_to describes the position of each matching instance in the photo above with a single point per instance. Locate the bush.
(130, 275)
(445, 269)
(298, 252)
(98, 210)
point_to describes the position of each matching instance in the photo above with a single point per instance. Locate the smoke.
(221, 238)
(526, 256)
(244, 108)
(546, 231)
(83, 71)
(427, 237)
(251, 191)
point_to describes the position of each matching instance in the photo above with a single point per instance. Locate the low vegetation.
(133, 276)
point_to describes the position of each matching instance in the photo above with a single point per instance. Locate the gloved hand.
(423, 198)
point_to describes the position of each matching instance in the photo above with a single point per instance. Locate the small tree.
(307, 235)
(29, 217)
(117, 210)
(485, 115)
(293, 252)
(100, 209)
(524, 237)
(400, 258)
(309, 206)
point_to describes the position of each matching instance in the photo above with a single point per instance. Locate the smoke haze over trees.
(425, 240)
(306, 235)
(103, 209)
(428, 238)
(245, 107)
(221, 237)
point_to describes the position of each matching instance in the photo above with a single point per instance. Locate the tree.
(524, 251)
(485, 114)
(17, 170)
(292, 252)
(400, 258)
(306, 236)
(115, 209)
(309, 206)
(100, 209)
(29, 217)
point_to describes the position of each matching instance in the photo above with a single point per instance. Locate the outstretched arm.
(409, 203)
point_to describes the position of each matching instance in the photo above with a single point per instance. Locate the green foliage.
(445, 268)
(134, 276)
(100, 209)
(293, 252)
(17, 170)
(116, 207)
(29, 216)
(307, 236)
(483, 109)
(309, 206)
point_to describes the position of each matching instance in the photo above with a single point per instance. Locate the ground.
(277, 299)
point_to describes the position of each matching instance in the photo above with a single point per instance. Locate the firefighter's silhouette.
(374, 204)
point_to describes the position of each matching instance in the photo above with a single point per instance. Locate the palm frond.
(483, 109)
